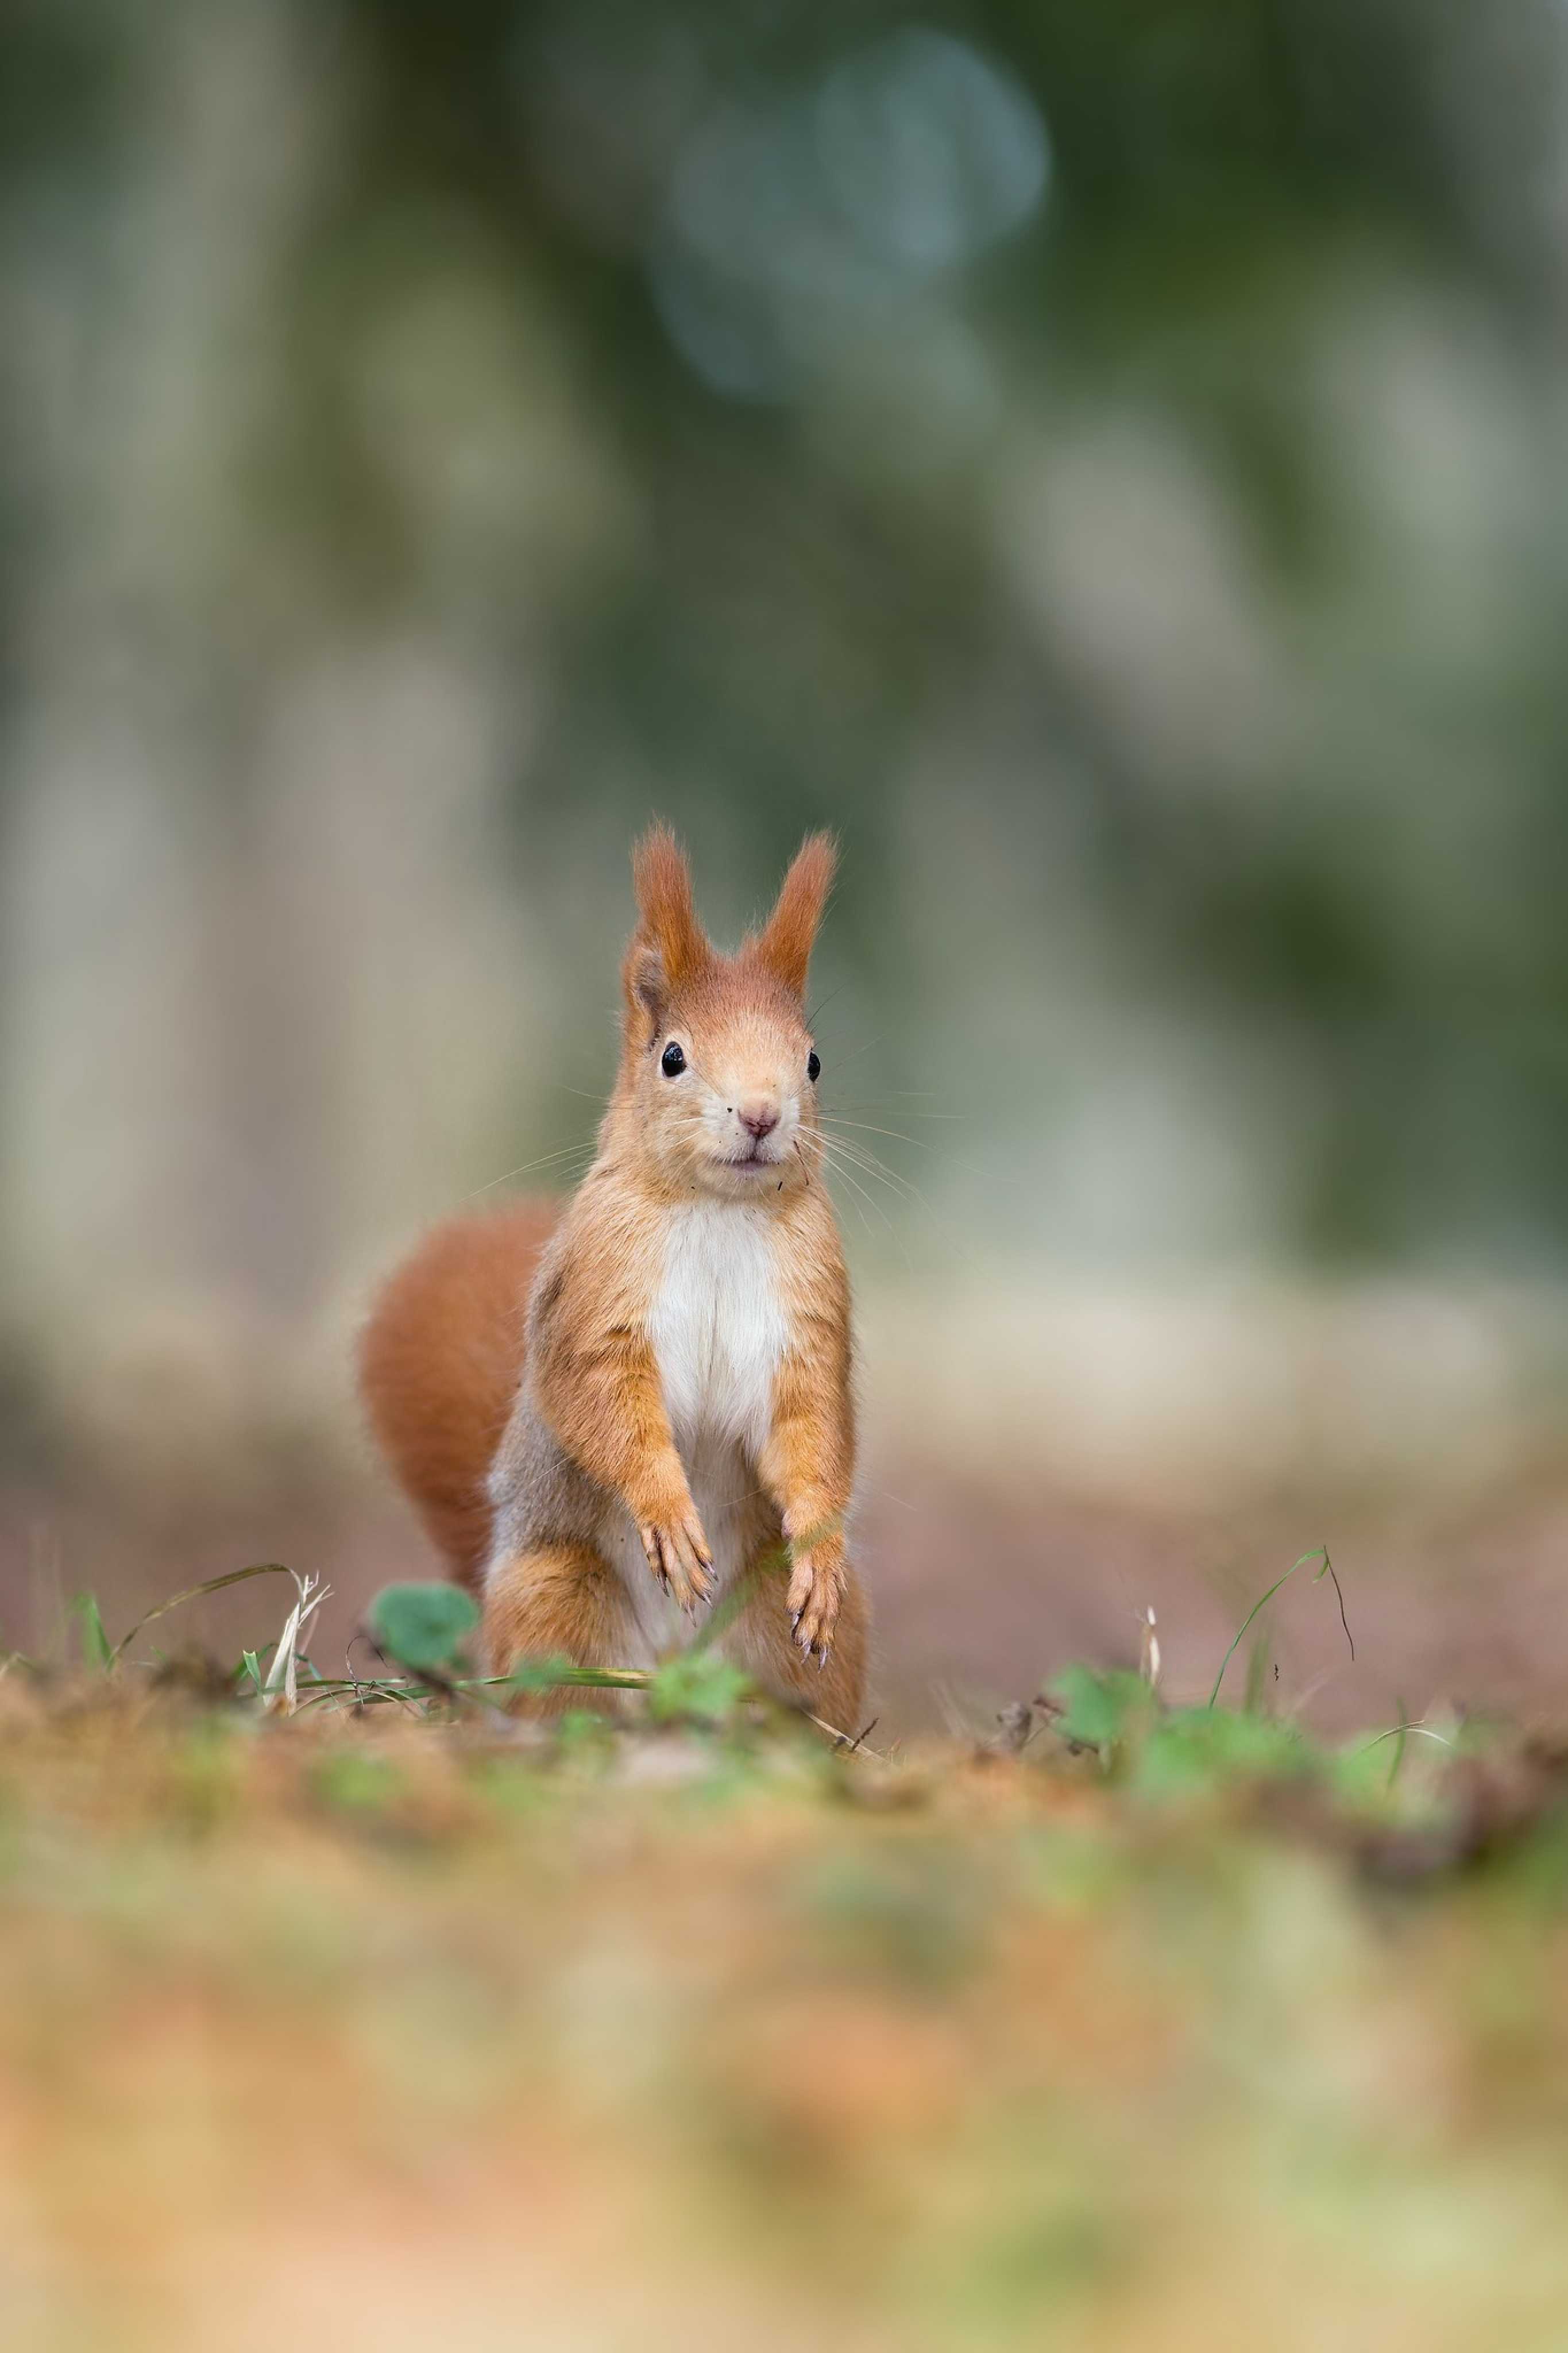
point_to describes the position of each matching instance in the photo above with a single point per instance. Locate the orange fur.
(669, 948)
(597, 1381)
(438, 1366)
(561, 1601)
(809, 1461)
(761, 1641)
(635, 1392)
(786, 939)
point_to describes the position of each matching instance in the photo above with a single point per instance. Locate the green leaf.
(1098, 1710)
(696, 1683)
(1200, 1747)
(424, 1626)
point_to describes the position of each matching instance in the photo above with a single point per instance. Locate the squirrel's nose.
(759, 1117)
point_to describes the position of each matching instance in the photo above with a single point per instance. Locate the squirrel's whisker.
(856, 1156)
(568, 1152)
(832, 1119)
(841, 1169)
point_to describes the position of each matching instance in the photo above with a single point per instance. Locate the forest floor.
(1119, 2024)
(1135, 2026)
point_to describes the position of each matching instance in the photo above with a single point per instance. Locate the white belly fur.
(718, 1331)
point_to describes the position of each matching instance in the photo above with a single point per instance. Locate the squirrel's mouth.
(751, 1162)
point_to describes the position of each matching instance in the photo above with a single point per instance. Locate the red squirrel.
(611, 1413)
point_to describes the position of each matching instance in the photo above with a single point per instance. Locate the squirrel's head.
(717, 1068)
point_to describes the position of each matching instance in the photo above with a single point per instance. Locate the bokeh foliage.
(1104, 458)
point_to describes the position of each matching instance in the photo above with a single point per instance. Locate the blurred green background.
(1107, 459)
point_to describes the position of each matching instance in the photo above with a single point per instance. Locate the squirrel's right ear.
(669, 944)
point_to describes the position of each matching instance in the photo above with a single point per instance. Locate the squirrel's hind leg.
(558, 1601)
(762, 1639)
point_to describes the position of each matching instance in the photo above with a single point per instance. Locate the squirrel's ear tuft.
(786, 941)
(669, 944)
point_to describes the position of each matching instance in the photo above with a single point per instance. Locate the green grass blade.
(548, 1674)
(725, 1612)
(195, 1593)
(1257, 1678)
(779, 1562)
(1328, 1570)
(1399, 1744)
(1399, 1733)
(1318, 1552)
(96, 1649)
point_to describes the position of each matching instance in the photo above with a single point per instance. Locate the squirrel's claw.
(813, 1604)
(678, 1556)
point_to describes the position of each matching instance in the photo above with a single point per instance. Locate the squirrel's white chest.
(718, 1325)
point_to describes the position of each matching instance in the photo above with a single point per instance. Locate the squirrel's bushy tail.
(439, 1361)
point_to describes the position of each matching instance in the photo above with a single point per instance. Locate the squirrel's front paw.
(678, 1556)
(816, 1590)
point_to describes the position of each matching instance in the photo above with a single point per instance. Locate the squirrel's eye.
(672, 1061)
(814, 1066)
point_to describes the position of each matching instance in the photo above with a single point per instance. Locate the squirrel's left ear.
(786, 941)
